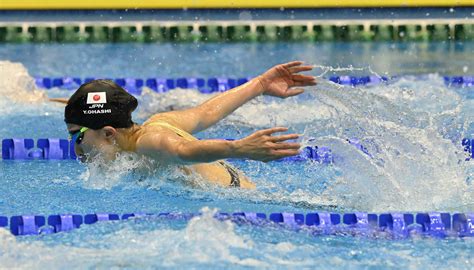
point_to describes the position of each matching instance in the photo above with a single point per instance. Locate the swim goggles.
(78, 136)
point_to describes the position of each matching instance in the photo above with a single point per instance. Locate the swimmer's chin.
(96, 158)
(89, 158)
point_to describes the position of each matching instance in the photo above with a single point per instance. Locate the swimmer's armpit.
(59, 100)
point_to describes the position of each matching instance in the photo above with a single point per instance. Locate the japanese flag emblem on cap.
(96, 97)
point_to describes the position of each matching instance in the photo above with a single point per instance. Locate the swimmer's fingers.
(307, 83)
(303, 78)
(270, 131)
(300, 69)
(293, 92)
(282, 138)
(288, 152)
(292, 64)
(277, 154)
(288, 146)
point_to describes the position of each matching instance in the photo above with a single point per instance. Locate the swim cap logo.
(97, 101)
(96, 98)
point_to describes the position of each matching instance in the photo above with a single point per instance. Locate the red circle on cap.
(96, 97)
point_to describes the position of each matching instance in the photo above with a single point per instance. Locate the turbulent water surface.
(411, 130)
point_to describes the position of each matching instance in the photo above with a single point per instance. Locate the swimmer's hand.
(262, 146)
(280, 80)
(59, 100)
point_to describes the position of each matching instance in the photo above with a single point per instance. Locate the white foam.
(415, 162)
(411, 128)
(203, 240)
(17, 86)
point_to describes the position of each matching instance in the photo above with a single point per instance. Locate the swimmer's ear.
(109, 132)
(59, 100)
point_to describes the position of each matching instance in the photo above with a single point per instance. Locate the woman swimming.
(98, 117)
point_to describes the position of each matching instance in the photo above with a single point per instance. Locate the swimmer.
(98, 118)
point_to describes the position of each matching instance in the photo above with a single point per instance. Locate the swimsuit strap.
(177, 130)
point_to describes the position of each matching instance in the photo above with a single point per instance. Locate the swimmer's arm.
(210, 112)
(278, 81)
(59, 100)
(261, 145)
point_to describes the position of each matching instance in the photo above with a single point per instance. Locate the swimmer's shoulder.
(160, 118)
(154, 137)
(149, 142)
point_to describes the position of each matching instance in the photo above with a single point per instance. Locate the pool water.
(411, 127)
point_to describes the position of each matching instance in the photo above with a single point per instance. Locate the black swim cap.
(100, 103)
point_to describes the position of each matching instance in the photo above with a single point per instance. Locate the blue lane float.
(397, 225)
(459, 80)
(355, 81)
(64, 223)
(218, 84)
(17, 148)
(468, 147)
(160, 85)
(93, 218)
(24, 149)
(54, 148)
(27, 224)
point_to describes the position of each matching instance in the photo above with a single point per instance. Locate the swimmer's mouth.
(83, 158)
(89, 157)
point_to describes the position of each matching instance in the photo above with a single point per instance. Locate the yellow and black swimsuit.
(234, 175)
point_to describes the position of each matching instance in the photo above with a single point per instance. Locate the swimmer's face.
(94, 142)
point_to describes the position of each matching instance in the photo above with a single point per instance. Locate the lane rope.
(397, 225)
(218, 84)
(63, 149)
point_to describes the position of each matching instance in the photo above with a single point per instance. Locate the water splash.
(410, 128)
(17, 85)
(412, 161)
(136, 243)
(414, 166)
(102, 174)
(205, 242)
(350, 68)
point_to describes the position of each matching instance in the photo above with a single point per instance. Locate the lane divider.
(217, 84)
(397, 225)
(240, 31)
(61, 149)
(159, 85)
